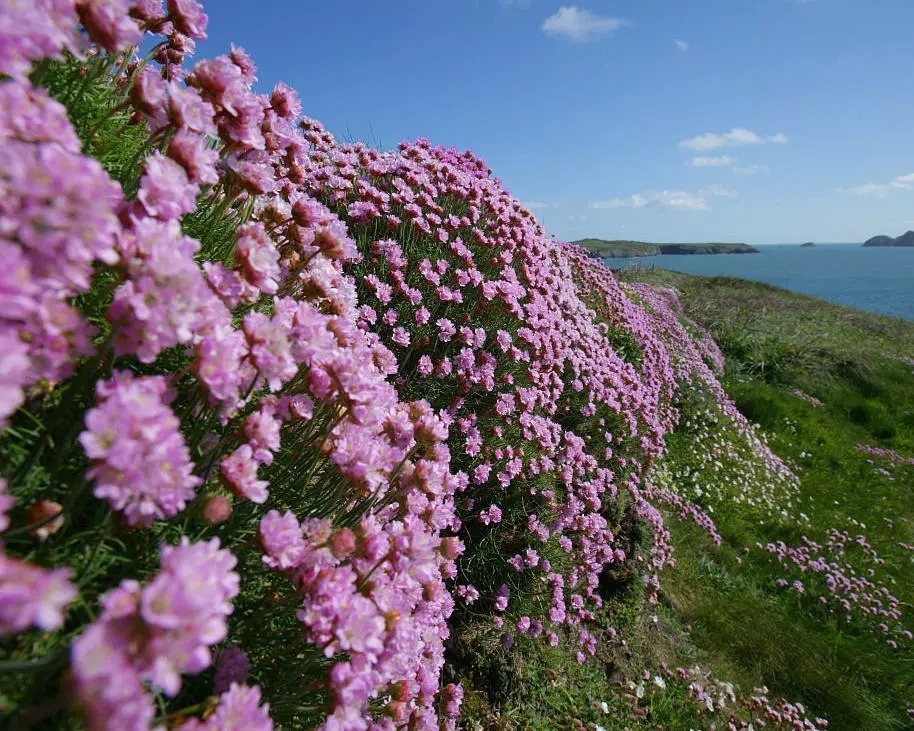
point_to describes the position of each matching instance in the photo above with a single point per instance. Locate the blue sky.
(662, 120)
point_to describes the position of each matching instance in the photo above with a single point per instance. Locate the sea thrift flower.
(188, 17)
(165, 191)
(32, 596)
(239, 470)
(166, 300)
(239, 708)
(140, 463)
(34, 30)
(109, 24)
(154, 633)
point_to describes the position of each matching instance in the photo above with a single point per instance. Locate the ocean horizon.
(875, 279)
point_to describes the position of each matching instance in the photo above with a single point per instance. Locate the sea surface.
(874, 279)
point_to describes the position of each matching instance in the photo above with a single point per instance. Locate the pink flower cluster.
(295, 359)
(890, 457)
(239, 708)
(486, 312)
(154, 634)
(58, 216)
(377, 593)
(140, 463)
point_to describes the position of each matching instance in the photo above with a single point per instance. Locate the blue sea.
(875, 279)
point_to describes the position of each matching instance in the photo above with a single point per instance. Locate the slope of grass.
(782, 347)
(820, 380)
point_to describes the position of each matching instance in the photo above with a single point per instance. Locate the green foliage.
(757, 633)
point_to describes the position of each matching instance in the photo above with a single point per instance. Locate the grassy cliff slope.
(792, 603)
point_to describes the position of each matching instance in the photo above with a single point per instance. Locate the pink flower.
(257, 258)
(491, 515)
(109, 24)
(239, 708)
(140, 462)
(32, 596)
(282, 540)
(239, 470)
(154, 634)
(188, 17)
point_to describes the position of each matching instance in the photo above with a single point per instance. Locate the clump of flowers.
(829, 575)
(154, 634)
(141, 464)
(718, 703)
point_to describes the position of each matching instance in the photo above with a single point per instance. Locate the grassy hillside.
(618, 249)
(625, 249)
(833, 391)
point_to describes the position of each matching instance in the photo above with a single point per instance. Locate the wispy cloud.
(537, 205)
(720, 161)
(751, 169)
(580, 26)
(672, 200)
(881, 190)
(736, 136)
(681, 45)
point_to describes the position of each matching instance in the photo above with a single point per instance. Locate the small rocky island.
(807, 245)
(603, 249)
(906, 239)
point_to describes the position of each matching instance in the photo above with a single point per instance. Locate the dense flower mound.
(729, 458)
(199, 336)
(554, 426)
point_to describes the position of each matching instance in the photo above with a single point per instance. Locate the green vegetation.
(820, 380)
(627, 249)
(618, 249)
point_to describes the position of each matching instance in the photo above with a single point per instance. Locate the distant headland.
(807, 244)
(906, 239)
(604, 249)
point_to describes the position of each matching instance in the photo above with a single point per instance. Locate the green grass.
(775, 342)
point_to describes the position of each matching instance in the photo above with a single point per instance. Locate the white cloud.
(579, 26)
(537, 205)
(736, 136)
(681, 45)
(672, 200)
(721, 161)
(881, 190)
(718, 190)
(751, 169)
